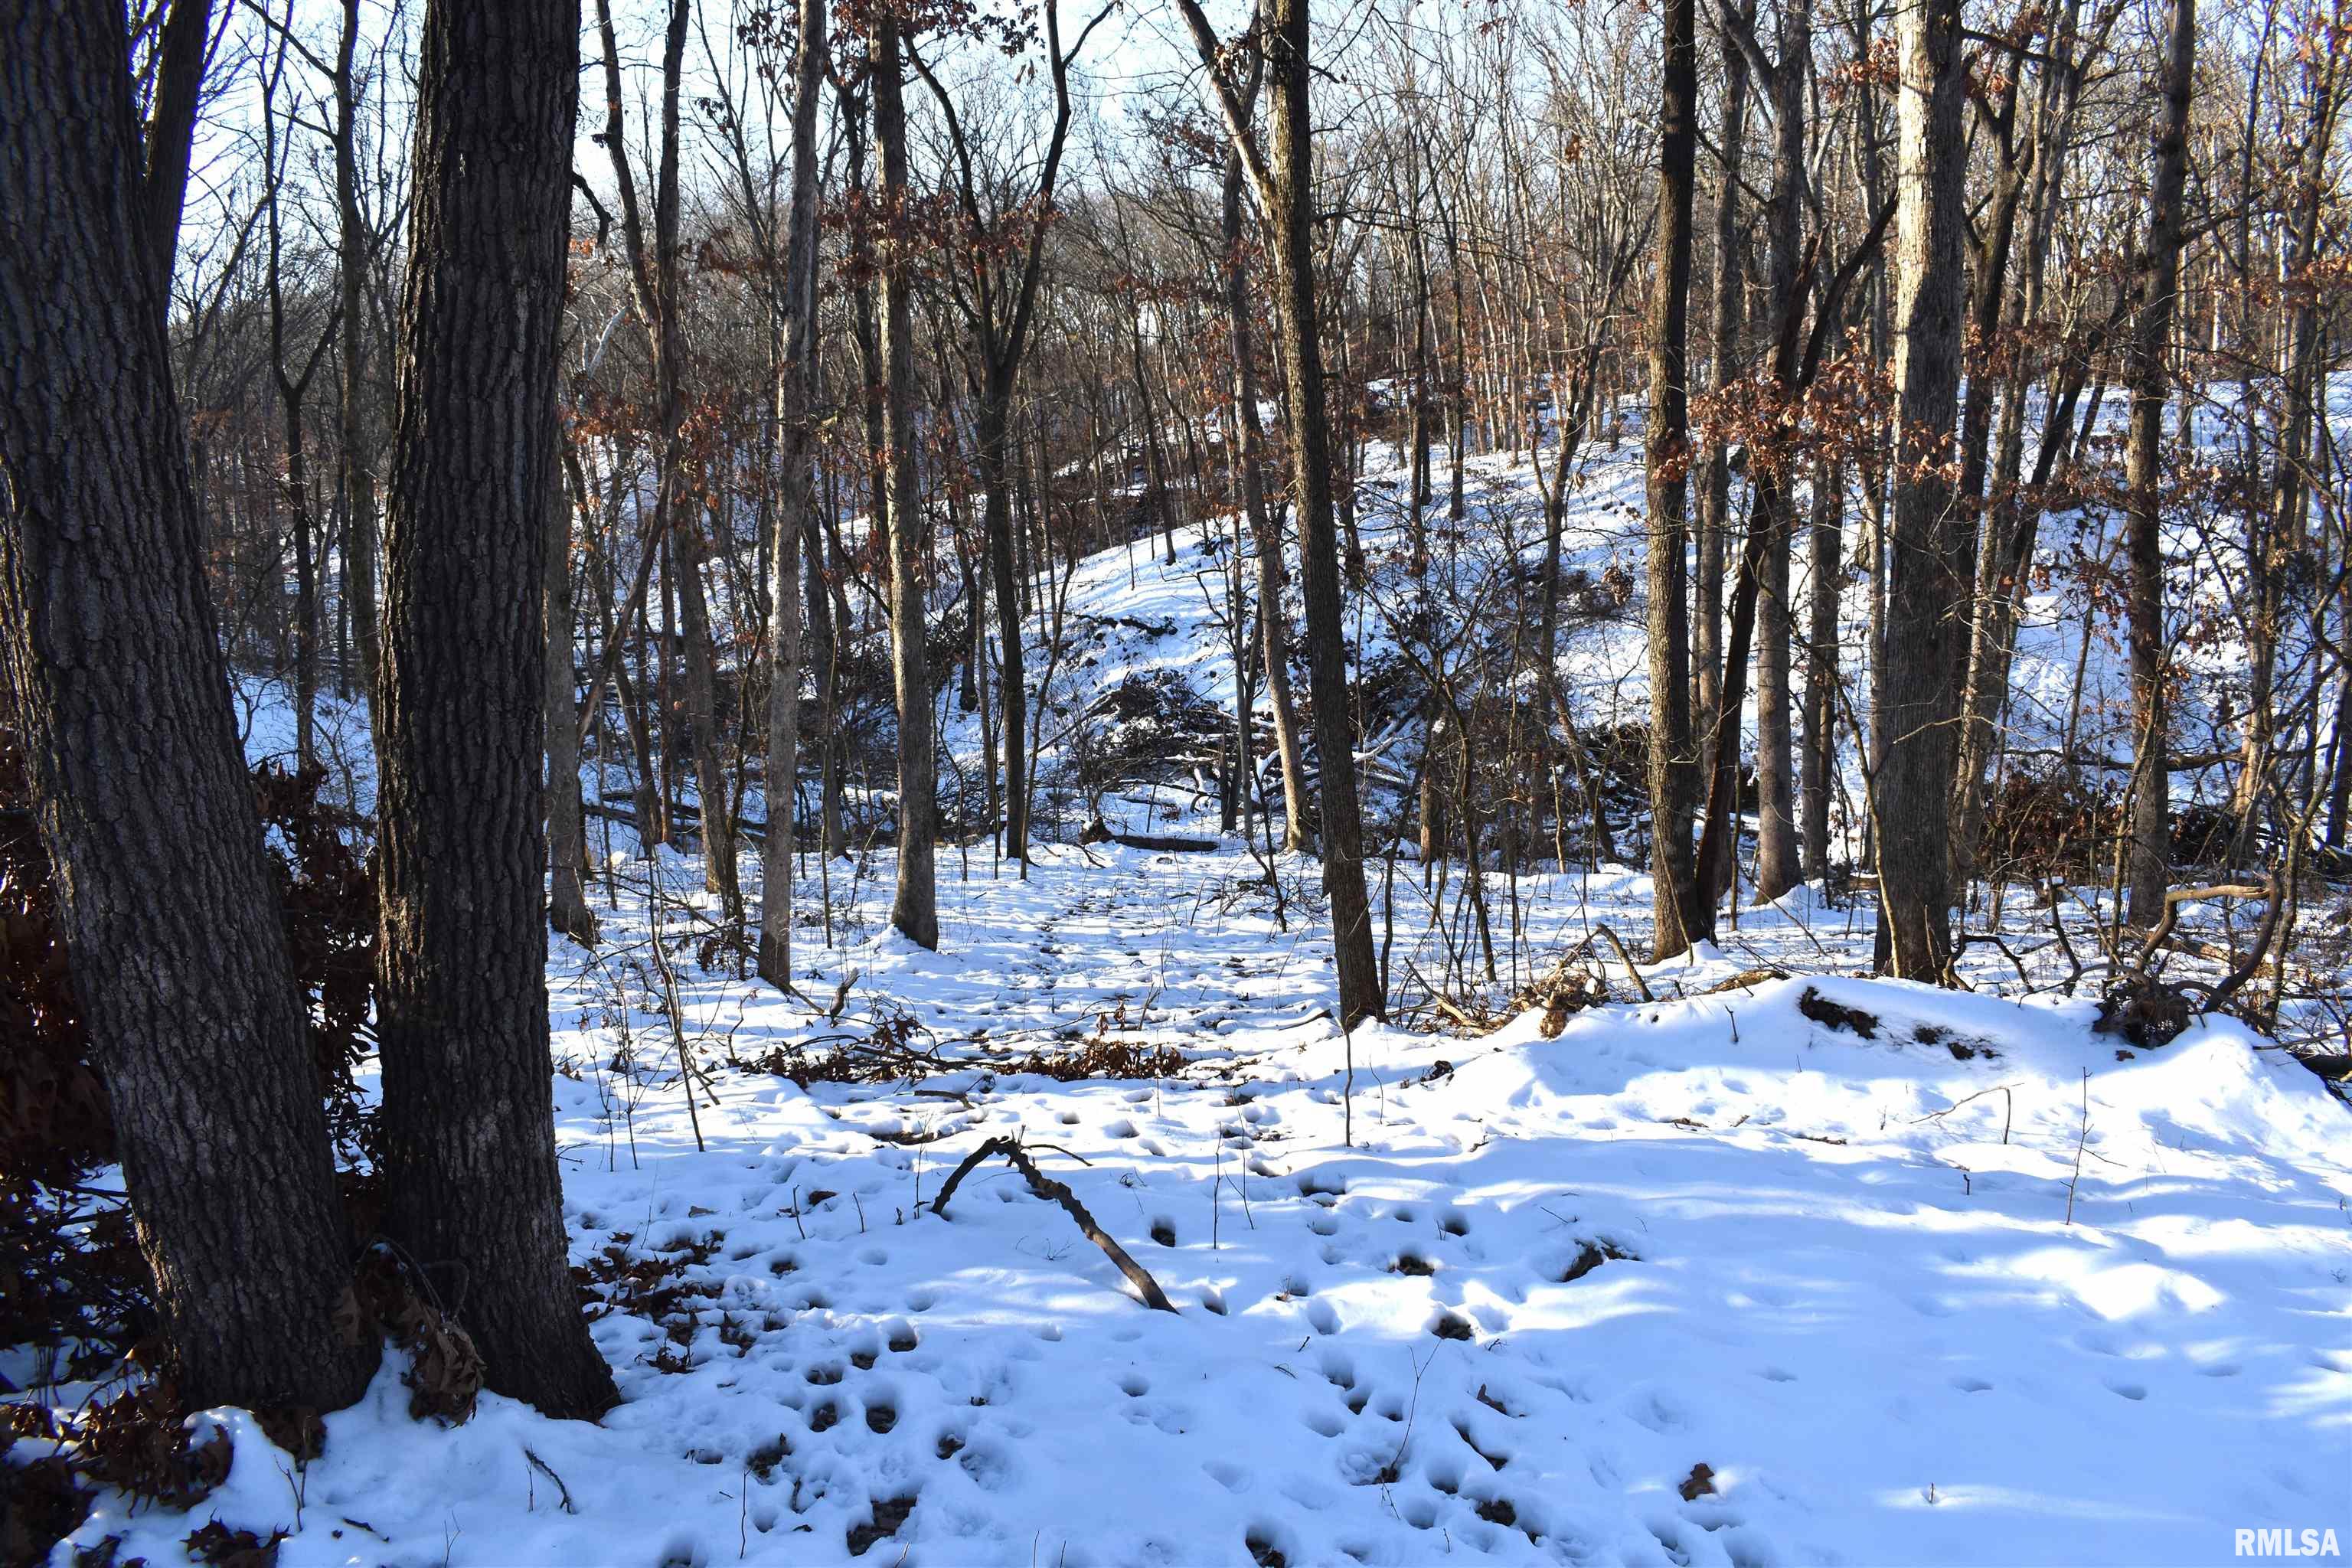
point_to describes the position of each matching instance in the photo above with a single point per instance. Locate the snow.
(1849, 1284)
(1985, 1288)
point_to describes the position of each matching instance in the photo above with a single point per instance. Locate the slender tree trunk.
(795, 503)
(1925, 596)
(996, 442)
(1817, 750)
(1776, 804)
(468, 1116)
(2277, 528)
(355, 452)
(171, 135)
(1274, 625)
(2151, 826)
(914, 908)
(1728, 317)
(113, 668)
(1292, 215)
(2005, 554)
(567, 902)
(1673, 763)
(820, 653)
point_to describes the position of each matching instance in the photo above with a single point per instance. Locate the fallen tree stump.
(1044, 1186)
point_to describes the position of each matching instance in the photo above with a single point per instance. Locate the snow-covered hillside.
(1760, 1270)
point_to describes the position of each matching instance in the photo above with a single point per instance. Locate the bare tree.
(1674, 764)
(795, 502)
(115, 674)
(468, 1114)
(1911, 789)
(2160, 287)
(1284, 186)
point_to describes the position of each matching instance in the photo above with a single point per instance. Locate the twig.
(2080, 1139)
(544, 1469)
(1044, 1186)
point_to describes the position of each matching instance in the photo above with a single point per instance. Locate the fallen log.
(1098, 832)
(1044, 1186)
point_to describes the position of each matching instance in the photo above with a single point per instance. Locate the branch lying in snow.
(1044, 1186)
(1098, 832)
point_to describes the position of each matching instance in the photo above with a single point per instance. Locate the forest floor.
(1803, 1271)
(1764, 1270)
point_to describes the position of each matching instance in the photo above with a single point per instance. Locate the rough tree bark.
(1775, 795)
(468, 1122)
(915, 904)
(2151, 821)
(114, 671)
(795, 504)
(1924, 621)
(1674, 764)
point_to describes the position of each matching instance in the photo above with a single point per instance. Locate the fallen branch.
(1044, 1186)
(1098, 832)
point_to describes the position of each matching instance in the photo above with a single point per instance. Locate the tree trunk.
(114, 666)
(468, 1122)
(915, 907)
(996, 484)
(795, 505)
(1726, 318)
(2269, 547)
(171, 136)
(1274, 625)
(2010, 524)
(567, 902)
(1925, 604)
(355, 453)
(1291, 213)
(1674, 764)
(1817, 750)
(1776, 799)
(2144, 462)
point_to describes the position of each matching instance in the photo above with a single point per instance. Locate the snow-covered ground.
(1982, 1288)
(1713, 1279)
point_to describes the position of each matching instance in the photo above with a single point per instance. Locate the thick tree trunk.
(114, 670)
(1674, 764)
(467, 1122)
(2149, 870)
(795, 504)
(1926, 595)
(915, 906)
